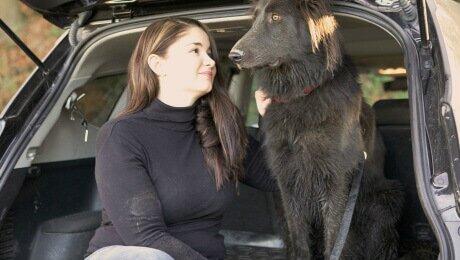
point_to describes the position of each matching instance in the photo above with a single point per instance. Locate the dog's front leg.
(333, 209)
(299, 224)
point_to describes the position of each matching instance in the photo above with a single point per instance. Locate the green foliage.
(15, 66)
(252, 117)
(372, 87)
(55, 32)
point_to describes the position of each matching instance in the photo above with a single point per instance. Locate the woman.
(167, 168)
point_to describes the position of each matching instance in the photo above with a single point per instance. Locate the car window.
(100, 97)
(252, 116)
(377, 86)
(374, 84)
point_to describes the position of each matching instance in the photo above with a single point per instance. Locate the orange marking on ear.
(320, 29)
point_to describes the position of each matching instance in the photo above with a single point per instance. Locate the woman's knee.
(118, 252)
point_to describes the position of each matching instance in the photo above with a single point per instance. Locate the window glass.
(37, 33)
(252, 115)
(375, 87)
(101, 96)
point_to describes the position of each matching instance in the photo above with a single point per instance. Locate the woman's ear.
(156, 64)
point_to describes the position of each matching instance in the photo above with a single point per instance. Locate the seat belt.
(348, 214)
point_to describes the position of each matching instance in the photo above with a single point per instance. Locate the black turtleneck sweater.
(155, 189)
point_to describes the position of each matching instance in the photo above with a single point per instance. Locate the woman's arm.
(257, 174)
(129, 196)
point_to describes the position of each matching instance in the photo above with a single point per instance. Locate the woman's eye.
(276, 17)
(194, 51)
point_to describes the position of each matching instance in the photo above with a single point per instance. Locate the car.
(49, 206)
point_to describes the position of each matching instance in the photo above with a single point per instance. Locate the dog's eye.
(276, 17)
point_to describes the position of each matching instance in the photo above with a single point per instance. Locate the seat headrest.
(392, 112)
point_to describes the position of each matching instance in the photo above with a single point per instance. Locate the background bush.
(38, 34)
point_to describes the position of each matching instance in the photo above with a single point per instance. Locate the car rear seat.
(393, 122)
(250, 230)
(250, 226)
(66, 237)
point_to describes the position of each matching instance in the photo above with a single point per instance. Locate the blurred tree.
(11, 15)
(37, 34)
(372, 87)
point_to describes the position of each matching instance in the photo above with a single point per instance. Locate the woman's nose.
(209, 61)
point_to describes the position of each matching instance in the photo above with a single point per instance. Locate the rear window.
(100, 97)
(378, 86)
(374, 84)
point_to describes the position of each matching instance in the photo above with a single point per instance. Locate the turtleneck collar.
(174, 118)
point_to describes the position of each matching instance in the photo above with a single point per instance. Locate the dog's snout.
(235, 55)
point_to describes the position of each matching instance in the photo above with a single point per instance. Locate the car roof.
(63, 12)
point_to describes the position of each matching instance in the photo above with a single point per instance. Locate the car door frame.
(20, 119)
(420, 145)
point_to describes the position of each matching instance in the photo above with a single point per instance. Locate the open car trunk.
(58, 209)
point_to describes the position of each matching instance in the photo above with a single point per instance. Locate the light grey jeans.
(128, 253)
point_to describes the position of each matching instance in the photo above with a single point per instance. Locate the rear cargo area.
(58, 208)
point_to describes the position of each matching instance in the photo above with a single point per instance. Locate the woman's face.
(187, 67)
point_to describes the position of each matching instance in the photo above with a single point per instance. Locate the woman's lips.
(207, 74)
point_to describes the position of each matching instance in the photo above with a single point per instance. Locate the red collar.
(306, 91)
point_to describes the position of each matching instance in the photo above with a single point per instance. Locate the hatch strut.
(23, 46)
(426, 58)
(423, 23)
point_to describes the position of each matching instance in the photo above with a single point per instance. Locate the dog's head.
(288, 31)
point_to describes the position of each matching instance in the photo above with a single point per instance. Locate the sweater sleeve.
(257, 174)
(129, 197)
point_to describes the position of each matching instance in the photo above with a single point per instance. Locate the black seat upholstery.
(392, 112)
(393, 122)
(66, 237)
(251, 226)
(249, 229)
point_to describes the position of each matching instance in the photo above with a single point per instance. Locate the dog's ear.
(323, 29)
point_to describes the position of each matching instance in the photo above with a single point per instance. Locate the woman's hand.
(262, 101)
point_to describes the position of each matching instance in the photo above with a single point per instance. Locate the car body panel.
(63, 12)
(446, 17)
(18, 120)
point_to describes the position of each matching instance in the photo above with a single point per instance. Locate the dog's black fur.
(314, 141)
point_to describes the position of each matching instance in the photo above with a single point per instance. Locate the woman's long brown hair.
(218, 121)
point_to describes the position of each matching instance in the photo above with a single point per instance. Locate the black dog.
(317, 128)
